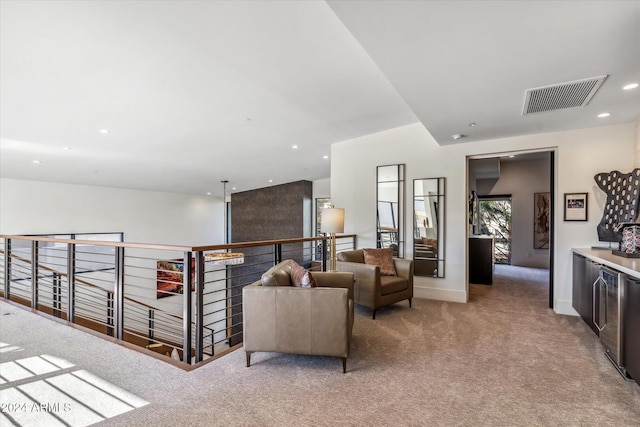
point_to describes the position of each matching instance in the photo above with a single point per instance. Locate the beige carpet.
(503, 359)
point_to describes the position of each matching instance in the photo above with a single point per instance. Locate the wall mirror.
(390, 208)
(428, 227)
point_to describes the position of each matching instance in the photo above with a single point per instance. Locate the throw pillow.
(301, 277)
(383, 258)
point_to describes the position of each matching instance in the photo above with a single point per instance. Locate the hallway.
(514, 288)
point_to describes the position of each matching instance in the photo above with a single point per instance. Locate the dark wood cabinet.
(631, 330)
(585, 273)
(481, 260)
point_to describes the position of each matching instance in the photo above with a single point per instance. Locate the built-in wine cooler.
(609, 303)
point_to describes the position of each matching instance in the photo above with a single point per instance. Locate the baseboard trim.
(440, 294)
(564, 307)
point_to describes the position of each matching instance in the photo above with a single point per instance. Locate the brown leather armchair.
(371, 288)
(289, 319)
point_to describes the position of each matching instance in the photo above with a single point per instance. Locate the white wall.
(321, 188)
(35, 207)
(580, 154)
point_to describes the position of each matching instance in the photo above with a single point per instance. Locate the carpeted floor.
(503, 359)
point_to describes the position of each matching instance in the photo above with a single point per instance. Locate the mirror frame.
(395, 233)
(439, 202)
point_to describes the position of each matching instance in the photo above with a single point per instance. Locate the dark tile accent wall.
(276, 212)
(271, 213)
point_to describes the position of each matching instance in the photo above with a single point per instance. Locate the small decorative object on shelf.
(629, 241)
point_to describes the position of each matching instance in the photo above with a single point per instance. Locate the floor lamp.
(332, 222)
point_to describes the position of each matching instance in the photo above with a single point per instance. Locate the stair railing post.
(118, 294)
(71, 282)
(199, 285)
(57, 293)
(186, 308)
(7, 268)
(34, 274)
(151, 334)
(277, 253)
(324, 253)
(111, 319)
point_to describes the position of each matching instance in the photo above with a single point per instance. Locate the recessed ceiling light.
(295, 147)
(601, 115)
(104, 131)
(471, 125)
(37, 162)
(630, 86)
(208, 194)
(66, 148)
(512, 156)
(458, 136)
(270, 180)
(325, 157)
(233, 188)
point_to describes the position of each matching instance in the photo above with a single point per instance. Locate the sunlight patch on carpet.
(48, 391)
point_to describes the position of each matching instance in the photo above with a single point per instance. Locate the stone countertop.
(630, 266)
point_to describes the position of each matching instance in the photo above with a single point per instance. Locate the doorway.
(506, 185)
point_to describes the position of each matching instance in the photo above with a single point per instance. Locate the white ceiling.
(462, 62)
(196, 92)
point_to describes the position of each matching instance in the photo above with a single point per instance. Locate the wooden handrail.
(172, 247)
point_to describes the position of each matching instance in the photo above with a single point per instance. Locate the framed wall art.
(575, 206)
(541, 212)
(170, 278)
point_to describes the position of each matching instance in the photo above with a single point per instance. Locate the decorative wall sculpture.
(623, 196)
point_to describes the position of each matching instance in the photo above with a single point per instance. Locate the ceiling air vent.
(577, 93)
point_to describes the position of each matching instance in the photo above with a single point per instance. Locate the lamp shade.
(332, 220)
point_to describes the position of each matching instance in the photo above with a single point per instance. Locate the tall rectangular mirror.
(390, 208)
(428, 227)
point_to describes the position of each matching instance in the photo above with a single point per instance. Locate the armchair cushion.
(351, 256)
(392, 284)
(278, 275)
(383, 258)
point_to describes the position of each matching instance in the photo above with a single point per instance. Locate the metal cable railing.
(135, 292)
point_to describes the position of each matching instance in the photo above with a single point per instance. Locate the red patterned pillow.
(383, 258)
(301, 277)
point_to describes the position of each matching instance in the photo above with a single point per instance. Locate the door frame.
(552, 196)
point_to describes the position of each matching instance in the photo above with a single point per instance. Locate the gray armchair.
(287, 319)
(373, 290)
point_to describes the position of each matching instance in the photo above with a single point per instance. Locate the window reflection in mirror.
(428, 227)
(390, 208)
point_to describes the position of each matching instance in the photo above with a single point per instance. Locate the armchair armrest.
(366, 276)
(367, 281)
(335, 280)
(404, 269)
